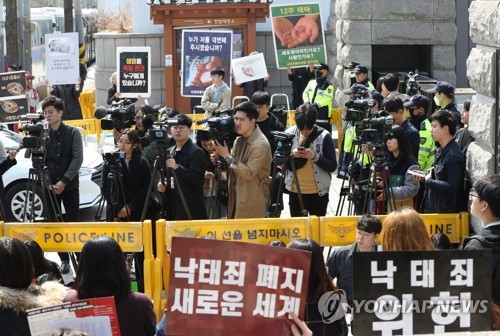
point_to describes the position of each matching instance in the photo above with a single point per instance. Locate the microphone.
(202, 121)
(148, 121)
(100, 112)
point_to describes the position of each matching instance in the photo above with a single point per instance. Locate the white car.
(15, 180)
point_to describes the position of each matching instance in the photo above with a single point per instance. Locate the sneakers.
(65, 268)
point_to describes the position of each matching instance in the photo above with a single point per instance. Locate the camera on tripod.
(375, 130)
(121, 115)
(359, 106)
(411, 84)
(220, 127)
(284, 141)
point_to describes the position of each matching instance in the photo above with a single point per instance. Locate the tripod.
(216, 205)
(379, 172)
(113, 193)
(282, 158)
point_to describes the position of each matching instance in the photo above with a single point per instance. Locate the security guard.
(418, 106)
(319, 93)
(361, 73)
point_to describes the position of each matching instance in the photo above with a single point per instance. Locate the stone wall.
(482, 72)
(363, 23)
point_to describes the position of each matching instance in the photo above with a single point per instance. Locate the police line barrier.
(70, 237)
(339, 231)
(257, 230)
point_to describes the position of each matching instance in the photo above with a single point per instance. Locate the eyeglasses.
(473, 194)
(124, 143)
(364, 235)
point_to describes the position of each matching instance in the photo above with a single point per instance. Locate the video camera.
(112, 158)
(359, 106)
(37, 135)
(121, 115)
(220, 127)
(412, 86)
(375, 130)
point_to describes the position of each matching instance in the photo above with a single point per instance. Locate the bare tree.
(68, 16)
(11, 34)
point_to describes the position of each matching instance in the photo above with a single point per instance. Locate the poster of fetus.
(202, 51)
(298, 35)
(62, 58)
(249, 68)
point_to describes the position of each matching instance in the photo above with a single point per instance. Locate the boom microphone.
(100, 112)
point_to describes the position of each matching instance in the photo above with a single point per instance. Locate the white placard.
(62, 58)
(249, 68)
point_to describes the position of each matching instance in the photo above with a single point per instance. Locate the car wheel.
(16, 198)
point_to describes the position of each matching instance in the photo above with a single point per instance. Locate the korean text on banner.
(134, 71)
(61, 58)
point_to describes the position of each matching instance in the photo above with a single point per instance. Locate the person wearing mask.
(444, 181)
(361, 73)
(299, 77)
(394, 106)
(187, 161)
(314, 156)
(319, 93)
(444, 97)
(249, 165)
(401, 162)
(319, 284)
(102, 272)
(339, 264)
(217, 97)
(64, 159)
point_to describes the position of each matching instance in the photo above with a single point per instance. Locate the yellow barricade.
(258, 230)
(339, 231)
(87, 102)
(70, 237)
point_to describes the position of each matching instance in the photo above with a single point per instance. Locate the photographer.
(218, 95)
(319, 93)
(249, 165)
(188, 164)
(315, 161)
(151, 151)
(5, 164)
(64, 159)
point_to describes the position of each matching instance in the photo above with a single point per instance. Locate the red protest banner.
(220, 287)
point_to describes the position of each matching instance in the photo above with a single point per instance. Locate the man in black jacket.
(485, 197)
(188, 163)
(64, 159)
(267, 121)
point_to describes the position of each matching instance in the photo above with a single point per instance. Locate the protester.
(340, 262)
(44, 268)
(485, 197)
(31, 93)
(249, 88)
(5, 164)
(299, 77)
(64, 159)
(314, 156)
(102, 272)
(404, 230)
(319, 284)
(249, 165)
(217, 97)
(17, 294)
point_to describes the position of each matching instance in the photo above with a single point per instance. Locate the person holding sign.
(319, 93)
(31, 93)
(217, 97)
(249, 88)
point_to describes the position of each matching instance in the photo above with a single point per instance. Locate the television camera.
(121, 115)
(220, 127)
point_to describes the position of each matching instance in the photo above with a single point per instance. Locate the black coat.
(5, 165)
(135, 182)
(69, 95)
(191, 162)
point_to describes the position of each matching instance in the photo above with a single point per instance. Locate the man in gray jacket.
(217, 97)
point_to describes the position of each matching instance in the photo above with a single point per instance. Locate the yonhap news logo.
(332, 305)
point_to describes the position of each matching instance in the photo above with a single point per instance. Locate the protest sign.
(421, 292)
(61, 58)
(13, 102)
(221, 287)
(249, 68)
(13, 109)
(95, 316)
(134, 72)
(298, 35)
(202, 51)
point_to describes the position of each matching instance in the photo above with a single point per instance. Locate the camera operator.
(151, 151)
(5, 164)
(319, 93)
(188, 163)
(314, 155)
(394, 106)
(218, 95)
(361, 73)
(144, 120)
(64, 159)
(249, 165)
(266, 121)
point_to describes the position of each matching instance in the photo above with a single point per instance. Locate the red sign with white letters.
(221, 287)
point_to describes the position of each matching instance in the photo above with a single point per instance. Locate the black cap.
(321, 66)
(418, 101)
(443, 87)
(355, 88)
(360, 69)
